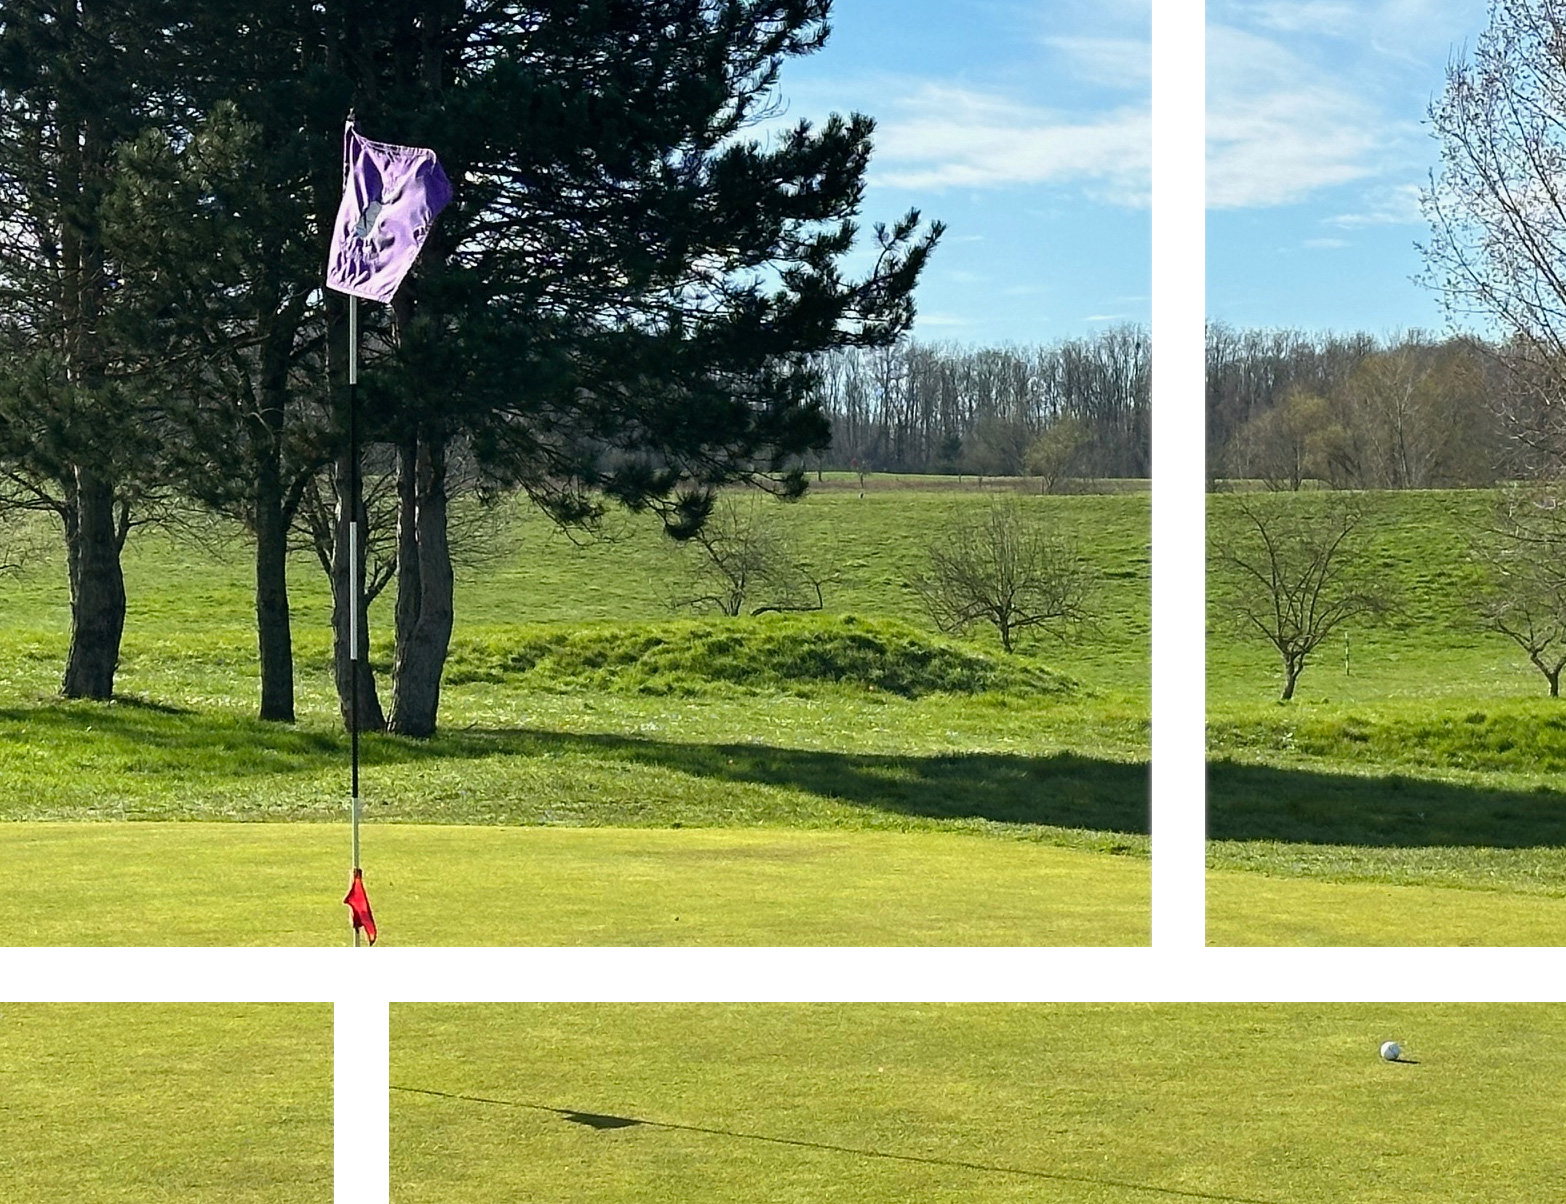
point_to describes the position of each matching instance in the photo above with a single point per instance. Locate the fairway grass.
(279, 884)
(165, 1103)
(1070, 1104)
(1251, 909)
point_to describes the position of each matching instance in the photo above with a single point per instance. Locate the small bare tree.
(1523, 596)
(1004, 567)
(1294, 574)
(745, 554)
(1055, 451)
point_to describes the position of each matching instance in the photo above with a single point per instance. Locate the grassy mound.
(792, 653)
(1496, 736)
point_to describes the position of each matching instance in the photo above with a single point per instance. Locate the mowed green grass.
(165, 1103)
(279, 884)
(1077, 1104)
(1016, 773)
(1422, 755)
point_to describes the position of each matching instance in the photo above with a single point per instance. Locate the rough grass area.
(1075, 1104)
(1419, 753)
(154, 1103)
(800, 654)
(281, 884)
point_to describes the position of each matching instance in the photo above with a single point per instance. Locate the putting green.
(166, 1103)
(280, 884)
(1253, 909)
(1065, 1104)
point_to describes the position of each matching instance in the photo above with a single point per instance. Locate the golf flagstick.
(391, 195)
(355, 577)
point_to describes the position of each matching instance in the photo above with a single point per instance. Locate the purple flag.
(391, 195)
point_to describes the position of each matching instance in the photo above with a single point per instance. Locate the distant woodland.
(1292, 409)
(1077, 408)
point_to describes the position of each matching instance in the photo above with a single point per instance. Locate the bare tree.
(1056, 450)
(1004, 567)
(1497, 209)
(1293, 575)
(746, 554)
(1523, 597)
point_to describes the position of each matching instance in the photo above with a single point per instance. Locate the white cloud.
(1280, 128)
(941, 136)
(942, 319)
(1118, 62)
(1393, 205)
(1330, 17)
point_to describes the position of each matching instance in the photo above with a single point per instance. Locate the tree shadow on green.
(1254, 802)
(1065, 790)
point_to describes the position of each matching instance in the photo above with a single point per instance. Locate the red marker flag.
(359, 903)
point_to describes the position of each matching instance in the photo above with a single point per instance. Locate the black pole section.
(356, 585)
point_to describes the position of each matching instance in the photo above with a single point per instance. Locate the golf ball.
(1391, 1051)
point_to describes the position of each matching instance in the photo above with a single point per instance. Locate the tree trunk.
(371, 717)
(273, 629)
(1291, 674)
(1555, 683)
(97, 591)
(424, 586)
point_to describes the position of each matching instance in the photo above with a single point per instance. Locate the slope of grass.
(281, 884)
(156, 1103)
(800, 654)
(857, 1104)
(1421, 752)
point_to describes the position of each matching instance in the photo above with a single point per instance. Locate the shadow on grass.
(598, 1121)
(1062, 789)
(1253, 802)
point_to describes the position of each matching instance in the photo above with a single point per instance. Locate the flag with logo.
(391, 195)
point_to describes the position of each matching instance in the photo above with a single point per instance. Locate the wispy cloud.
(938, 136)
(1330, 17)
(1115, 62)
(944, 320)
(1280, 128)
(1390, 205)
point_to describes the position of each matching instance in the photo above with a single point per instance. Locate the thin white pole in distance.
(354, 584)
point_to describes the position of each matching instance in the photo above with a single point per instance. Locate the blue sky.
(1317, 151)
(1024, 127)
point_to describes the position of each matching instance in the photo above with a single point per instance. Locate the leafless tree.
(1055, 451)
(1003, 566)
(748, 555)
(1497, 208)
(1293, 574)
(1523, 596)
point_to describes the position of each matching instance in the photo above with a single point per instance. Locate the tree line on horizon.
(1293, 408)
(1078, 407)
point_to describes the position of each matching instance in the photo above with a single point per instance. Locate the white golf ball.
(1391, 1051)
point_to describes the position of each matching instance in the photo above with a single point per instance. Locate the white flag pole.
(355, 584)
